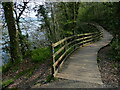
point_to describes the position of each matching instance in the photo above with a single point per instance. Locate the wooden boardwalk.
(82, 64)
(81, 70)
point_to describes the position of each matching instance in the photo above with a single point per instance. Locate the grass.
(0, 69)
(37, 55)
(27, 72)
(7, 66)
(50, 78)
(41, 54)
(7, 82)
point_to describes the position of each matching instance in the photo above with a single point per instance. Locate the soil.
(40, 73)
(109, 68)
(109, 72)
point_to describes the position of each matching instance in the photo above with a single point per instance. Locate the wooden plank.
(89, 38)
(84, 34)
(65, 59)
(71, 37)
(69, 44)
(85, 41)
(79, 39)
(62, 48)
(73, 45)
(59, 59)
(62, 56)
(88, 33)
(82, 38)
(61, 41)
(63, 62)
(53, 58)
(55, 73)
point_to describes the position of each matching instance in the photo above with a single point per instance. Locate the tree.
(68, 16)
(46, 22)
(59, 19)
(22, 39)
(13, 33)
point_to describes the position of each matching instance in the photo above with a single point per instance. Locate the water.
(31, 28)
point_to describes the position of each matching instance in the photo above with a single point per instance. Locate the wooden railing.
(63, 48)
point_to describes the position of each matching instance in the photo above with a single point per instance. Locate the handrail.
(69, 44)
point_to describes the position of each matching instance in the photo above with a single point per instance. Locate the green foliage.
(0, 69)
(41, 54)
(6, 67)
(27, 73)
(116, 65)
(27, 54)
(85, 28)
(50, 77)
(108, 16)
(116, 49)
(7, 82)
(20, 74)
(68, 33)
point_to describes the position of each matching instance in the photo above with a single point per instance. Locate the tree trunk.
(13, 33)
(22, 40)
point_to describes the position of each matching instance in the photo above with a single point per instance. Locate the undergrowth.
(115, 45)
(41, 54)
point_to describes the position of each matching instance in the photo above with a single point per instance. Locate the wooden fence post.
(52, 68)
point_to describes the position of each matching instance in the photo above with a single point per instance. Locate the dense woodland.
(57, 21)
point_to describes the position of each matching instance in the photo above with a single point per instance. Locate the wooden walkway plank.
(82, 64)
(80, 69)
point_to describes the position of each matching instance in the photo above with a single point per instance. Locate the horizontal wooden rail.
(63, 48)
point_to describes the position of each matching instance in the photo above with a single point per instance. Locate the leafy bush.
(7, 82)
(41, 54)
(10, 65)
(27, 54)
(49, 78)
(6, 67)
(116, 48)
(86, 28)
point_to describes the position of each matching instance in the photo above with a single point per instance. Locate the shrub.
(41, 54)
(7, 82)
(116, 48)
(6, 67)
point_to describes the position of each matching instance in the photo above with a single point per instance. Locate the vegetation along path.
(81, 69)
